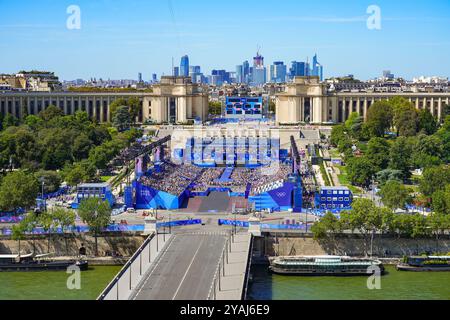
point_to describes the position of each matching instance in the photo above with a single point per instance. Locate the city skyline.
(146, 35)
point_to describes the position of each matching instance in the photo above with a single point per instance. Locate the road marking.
(187, 270)
(156, 263)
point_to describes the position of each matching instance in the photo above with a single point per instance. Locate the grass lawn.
(334, 153)
(105, 178)
(343, 180)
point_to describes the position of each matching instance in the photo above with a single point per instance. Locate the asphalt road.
(186, 268)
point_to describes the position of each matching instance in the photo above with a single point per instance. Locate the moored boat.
(30, 262)
(425, 263)
(325, 266)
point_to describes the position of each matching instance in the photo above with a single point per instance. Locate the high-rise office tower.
(246, 72)
(317, 68)
(154, 78)
(176, 71)
(298, 69)
(278, 72)
(184, 66)
(139, 77)
(258, 61)
(195, 74)
(239, 74)
(258, 73)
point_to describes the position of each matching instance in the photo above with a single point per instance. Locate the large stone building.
(175, 100)
(307, 99)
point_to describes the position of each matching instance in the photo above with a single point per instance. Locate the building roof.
(335, 188)
(93, 185)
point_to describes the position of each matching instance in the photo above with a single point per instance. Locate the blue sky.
(120, 38)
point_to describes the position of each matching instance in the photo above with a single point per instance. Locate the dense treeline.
(395, 140)
(367, 219)
(53, 147)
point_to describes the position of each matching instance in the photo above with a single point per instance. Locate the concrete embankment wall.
(124, 244)
(291, 244)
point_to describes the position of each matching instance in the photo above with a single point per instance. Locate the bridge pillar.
(254, 226)
(150, 225)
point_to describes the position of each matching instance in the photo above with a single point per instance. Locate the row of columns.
(362, 105)
(19, 104)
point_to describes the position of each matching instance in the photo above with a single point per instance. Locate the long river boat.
(31, 262)
(325, 266)
(425, 263)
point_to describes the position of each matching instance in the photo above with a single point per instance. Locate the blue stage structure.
(94, 190)
(334, 198)
(244, 108)
(279, 196)
(237, 151)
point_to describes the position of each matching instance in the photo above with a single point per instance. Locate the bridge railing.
(126, 281)
(247, 270)
(220, 270)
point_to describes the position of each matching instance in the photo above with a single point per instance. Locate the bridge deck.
(185, 269)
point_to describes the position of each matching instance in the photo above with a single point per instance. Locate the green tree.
(360, 171)
(18, 190)
(96, 214)
(52, 180)
(439, 224)
(388, 175)
(9, 121)
(18, 234)
(122, 118)
(83, 171)
(328, 227)
(81, 147)
(405, 117)
(434, 179)
(427, 122)
(379, 118)
(272, 107)
(441, 200)
(50, 113)
(215, 108)
(47, 223)
(378, 153)
(394, 195)
(64, 219)
(444, 135)
(428, 151)
(34, 122)
(400, 156)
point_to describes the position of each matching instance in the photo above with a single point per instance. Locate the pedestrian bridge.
(198, 264)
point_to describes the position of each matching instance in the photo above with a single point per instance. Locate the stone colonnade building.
(175, 100)
(306, 99)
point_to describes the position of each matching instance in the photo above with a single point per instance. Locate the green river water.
(264, 286)
(395, 285)
(51, 285)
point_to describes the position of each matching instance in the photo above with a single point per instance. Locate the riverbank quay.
(383, 246)
(110, 245)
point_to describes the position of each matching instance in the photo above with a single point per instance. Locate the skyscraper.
(298, 69)
(139, 77)
(196, 74)
(317, 68)
(246, 72)
(258, 74)
(239, 74)
(278, 72)
(184, 66)
(176, 71)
